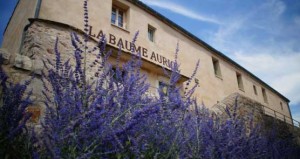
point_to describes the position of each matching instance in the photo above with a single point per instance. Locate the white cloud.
(289, 85)
(268, 63)
(275, 61)
(276, 7)
(265, 17)
(296, 116)
(280, 71)
(297, 20)
(254, 39)
(181, 10)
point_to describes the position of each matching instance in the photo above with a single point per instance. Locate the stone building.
(35, 24)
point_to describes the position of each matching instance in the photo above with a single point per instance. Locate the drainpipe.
(37, 9)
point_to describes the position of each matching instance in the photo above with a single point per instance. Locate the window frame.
(117, 15)
(254, 90)
(264, 94)
(162, 85)
(153, 30)
(113, 74)
(217, 67)
(240, 81)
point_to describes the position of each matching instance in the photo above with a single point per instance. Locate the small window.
(217, 69)
(118, 17)
(240, 81)
(264, 95)
(118, 76)
(163, 87)
(281, 105)
(254, 89)
(151, 31)
(113, 15)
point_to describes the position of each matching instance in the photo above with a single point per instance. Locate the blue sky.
(6, 9)
(261, 35)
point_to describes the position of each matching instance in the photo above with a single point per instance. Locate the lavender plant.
(92, 118)
(82, 117)
(14, 139)
(112, 116)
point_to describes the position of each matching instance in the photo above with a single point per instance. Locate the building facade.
(35, 24)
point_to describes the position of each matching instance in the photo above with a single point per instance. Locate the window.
(151, 31)
(240, 81)
(118, 74)
(264, 95)
(216, 66)
(281, 105)
(118, 16)
(113, 15)
(163, 87)
(254, 89)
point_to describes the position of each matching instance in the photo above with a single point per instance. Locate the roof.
(201, 42)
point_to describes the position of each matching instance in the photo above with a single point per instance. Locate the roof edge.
(201, 42)
(11, 16)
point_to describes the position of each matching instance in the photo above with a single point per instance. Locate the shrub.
(14, 139)
(112, 116)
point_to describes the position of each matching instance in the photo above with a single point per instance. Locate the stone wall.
(39, 45)
(247, 108)
(244, 108)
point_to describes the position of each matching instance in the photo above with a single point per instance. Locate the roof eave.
(201, 42)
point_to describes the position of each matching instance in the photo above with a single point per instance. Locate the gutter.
(37, 9)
